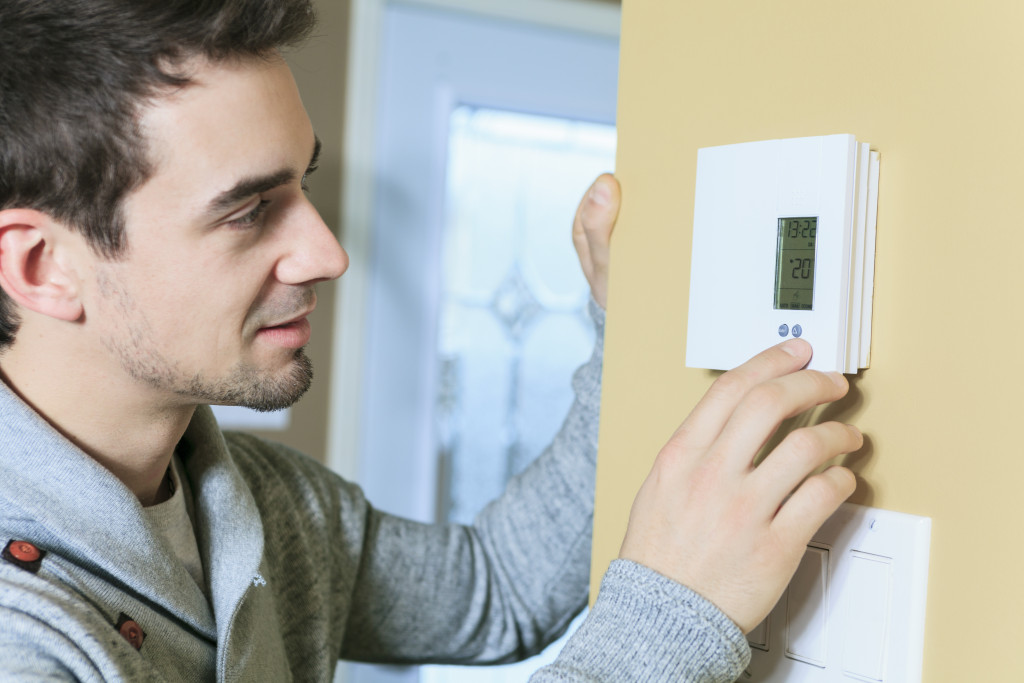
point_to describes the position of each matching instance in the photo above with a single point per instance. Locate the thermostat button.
(797, 330)
(783, 330)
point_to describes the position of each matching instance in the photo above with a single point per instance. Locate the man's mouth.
(293, 334)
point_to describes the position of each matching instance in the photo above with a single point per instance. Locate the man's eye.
(305, 177)
(253, 218)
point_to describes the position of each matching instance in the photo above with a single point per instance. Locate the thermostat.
(783, 246)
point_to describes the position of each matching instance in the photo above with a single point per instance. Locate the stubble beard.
(249, 387)
(245, 385)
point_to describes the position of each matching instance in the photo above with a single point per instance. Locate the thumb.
(592, 231)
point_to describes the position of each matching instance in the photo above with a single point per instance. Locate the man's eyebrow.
(247, 187)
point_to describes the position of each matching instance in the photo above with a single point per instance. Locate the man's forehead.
(235, 119)
(221, 98)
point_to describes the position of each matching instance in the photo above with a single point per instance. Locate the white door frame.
(599, 17)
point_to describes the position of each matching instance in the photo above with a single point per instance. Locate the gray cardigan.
(303, 571)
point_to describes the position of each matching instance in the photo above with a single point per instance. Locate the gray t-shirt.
(173, 520)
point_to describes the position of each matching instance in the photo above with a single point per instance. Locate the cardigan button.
(24, 551)
(131, 631)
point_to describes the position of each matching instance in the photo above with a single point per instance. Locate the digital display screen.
(794, 264)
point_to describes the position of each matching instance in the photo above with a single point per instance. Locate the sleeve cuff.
(646, 627)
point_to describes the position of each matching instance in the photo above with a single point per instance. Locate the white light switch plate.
(855, 608)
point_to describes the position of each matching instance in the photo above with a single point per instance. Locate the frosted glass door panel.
(513, 181)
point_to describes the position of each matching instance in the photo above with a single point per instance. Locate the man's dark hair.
(73, 76)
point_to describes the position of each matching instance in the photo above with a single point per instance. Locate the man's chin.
(278, 394)
(257, 390)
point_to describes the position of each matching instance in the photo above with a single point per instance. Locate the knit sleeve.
(503, 588)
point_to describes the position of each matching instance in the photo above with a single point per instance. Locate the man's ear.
(32, 269)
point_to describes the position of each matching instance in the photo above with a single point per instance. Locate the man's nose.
(313, 253)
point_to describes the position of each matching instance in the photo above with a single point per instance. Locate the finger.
(579, 239)
(799, 454)
(766, 405)
(592, 230)
(596, 214)
(710, 415)
(813, 503)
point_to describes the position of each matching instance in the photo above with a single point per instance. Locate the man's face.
(209, 304)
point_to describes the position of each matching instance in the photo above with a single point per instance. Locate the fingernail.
(599, 194)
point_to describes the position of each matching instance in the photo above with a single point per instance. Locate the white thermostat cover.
(783, 246)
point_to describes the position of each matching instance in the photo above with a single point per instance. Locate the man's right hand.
(709, 519)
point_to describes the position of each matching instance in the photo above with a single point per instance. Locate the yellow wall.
(938, 88)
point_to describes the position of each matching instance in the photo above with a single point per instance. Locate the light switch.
(807, 608)
(760, 637)
(867, 616)
(854, 610)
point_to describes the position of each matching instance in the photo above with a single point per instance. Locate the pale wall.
(936, 88)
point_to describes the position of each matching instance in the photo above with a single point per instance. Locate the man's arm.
(497, 591)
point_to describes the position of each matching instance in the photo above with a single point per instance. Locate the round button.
(132, 632)
(783, 330)
(24, 551)
(797, 330)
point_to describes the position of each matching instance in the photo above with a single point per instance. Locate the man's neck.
(118, 422)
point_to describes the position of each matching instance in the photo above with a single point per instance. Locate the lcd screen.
(794, 264)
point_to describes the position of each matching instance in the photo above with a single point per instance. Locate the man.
(157, 253)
